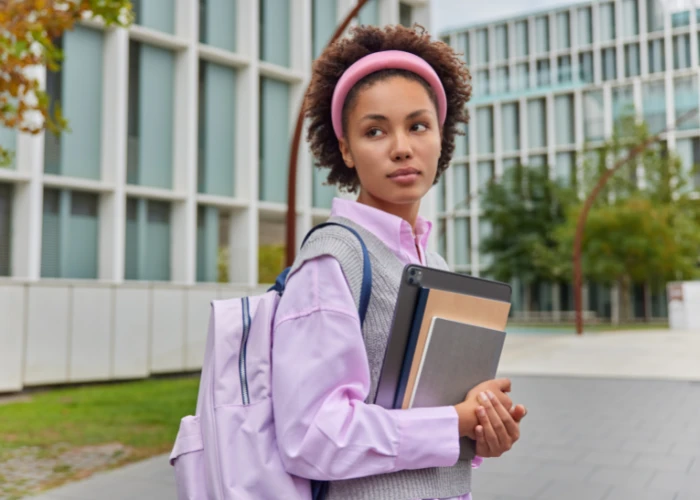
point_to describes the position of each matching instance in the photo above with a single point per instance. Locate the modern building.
(173, 177)
(547, 83)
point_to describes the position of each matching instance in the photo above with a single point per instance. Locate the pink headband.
(377, 61)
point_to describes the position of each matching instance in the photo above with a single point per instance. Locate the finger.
(507, 420)
(490, 438)
(498, 416)
(482, 448)
(518, 412)
(503, 384)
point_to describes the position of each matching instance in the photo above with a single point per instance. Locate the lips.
(404, 172)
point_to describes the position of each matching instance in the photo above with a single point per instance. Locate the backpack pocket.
(188, 459)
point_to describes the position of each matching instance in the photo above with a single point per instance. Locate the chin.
(405, 196)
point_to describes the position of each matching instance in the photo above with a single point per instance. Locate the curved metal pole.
(581, 223)
(294, 153)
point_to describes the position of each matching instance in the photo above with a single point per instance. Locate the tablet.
(415, 279)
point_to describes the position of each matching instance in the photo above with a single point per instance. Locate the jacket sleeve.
(325, 430)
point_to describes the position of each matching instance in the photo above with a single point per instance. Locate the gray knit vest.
(442, 482)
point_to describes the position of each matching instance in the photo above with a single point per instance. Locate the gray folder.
(457, 357)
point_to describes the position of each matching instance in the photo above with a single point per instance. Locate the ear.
(345, 152)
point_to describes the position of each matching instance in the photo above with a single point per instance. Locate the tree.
(28, 29)
(523, 209)
(642, 228)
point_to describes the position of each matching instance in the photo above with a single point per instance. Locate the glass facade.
(6, 191)
(275, 31)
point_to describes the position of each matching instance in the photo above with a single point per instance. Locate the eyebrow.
(412, 115)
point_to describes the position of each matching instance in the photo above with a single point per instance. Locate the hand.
(466, 410)
(499, 428)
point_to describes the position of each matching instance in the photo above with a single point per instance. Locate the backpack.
(228, 450)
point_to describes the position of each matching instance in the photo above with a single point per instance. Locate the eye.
(419, 127)
(373, 132)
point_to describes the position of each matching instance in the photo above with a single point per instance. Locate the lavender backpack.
(228, 449)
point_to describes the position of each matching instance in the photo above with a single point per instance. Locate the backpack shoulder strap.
(366, 288)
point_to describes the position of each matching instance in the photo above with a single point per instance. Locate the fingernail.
(491, 396)
(479, 430)
(481, 412)
(484, 397)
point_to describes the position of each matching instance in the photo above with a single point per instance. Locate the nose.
(402, 147)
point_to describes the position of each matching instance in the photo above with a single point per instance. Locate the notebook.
(457, 307)
(457, 357)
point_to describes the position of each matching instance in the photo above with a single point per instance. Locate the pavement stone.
(579, 442)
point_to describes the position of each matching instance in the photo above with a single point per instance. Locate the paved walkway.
(611, 417)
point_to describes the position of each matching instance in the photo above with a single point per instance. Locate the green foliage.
(523, 209)
(222, 265)
(271, 260)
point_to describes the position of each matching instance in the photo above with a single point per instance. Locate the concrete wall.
(77, 331)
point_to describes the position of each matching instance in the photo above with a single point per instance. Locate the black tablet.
(414, 279)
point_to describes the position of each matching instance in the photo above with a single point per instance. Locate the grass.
(143, 416)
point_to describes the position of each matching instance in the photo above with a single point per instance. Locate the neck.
(406, 211)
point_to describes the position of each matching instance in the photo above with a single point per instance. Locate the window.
(274, 139)
(155, 14)
(6, 191)
(657, 58)
(462, 142)
(593, 115)
(564, 63)
(563, 31)
(537, 123)
(585, 26)
(485, 174)
(150, 108)
(686, 99)
(8, 141)
(542, 34)
(147, 252)
(681, 51)
(522, 41)
(442, 236)
(510, 125)
(543, 72)
(680, 19)
(212, 224)
(463, 46)
(441, 194)
(217, 119)
(564, 119)
(485, 231)
(78, 89)
(654, 103)
(689, 152)
(655, 15)
(622, 102)
(460, 189)
(70, 226)
(484, 120)
(565, 169)
(405, 15)
(501, 42)
(217, 23)
(275, 30)
(609, 64)
(482, 46)
(585, 61)
(607, 22)
(501, 81)
(462, 242)
(632, 67)
(482, 86)
(369, 15)
(630, 18)
(522, 76)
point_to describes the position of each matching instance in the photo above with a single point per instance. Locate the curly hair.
(364, 40)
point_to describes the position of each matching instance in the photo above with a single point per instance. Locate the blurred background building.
(549, 82)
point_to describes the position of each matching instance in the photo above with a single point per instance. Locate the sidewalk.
(611, 417)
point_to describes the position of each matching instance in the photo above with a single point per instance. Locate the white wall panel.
(12, 317)
(198, 308)
(131, 327)
(167, 352)
(91, 339)
(46, 358)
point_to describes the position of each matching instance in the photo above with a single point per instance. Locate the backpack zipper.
(242, 354)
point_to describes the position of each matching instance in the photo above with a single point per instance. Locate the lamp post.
(294, 153)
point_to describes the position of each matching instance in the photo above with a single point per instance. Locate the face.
(393, 140)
